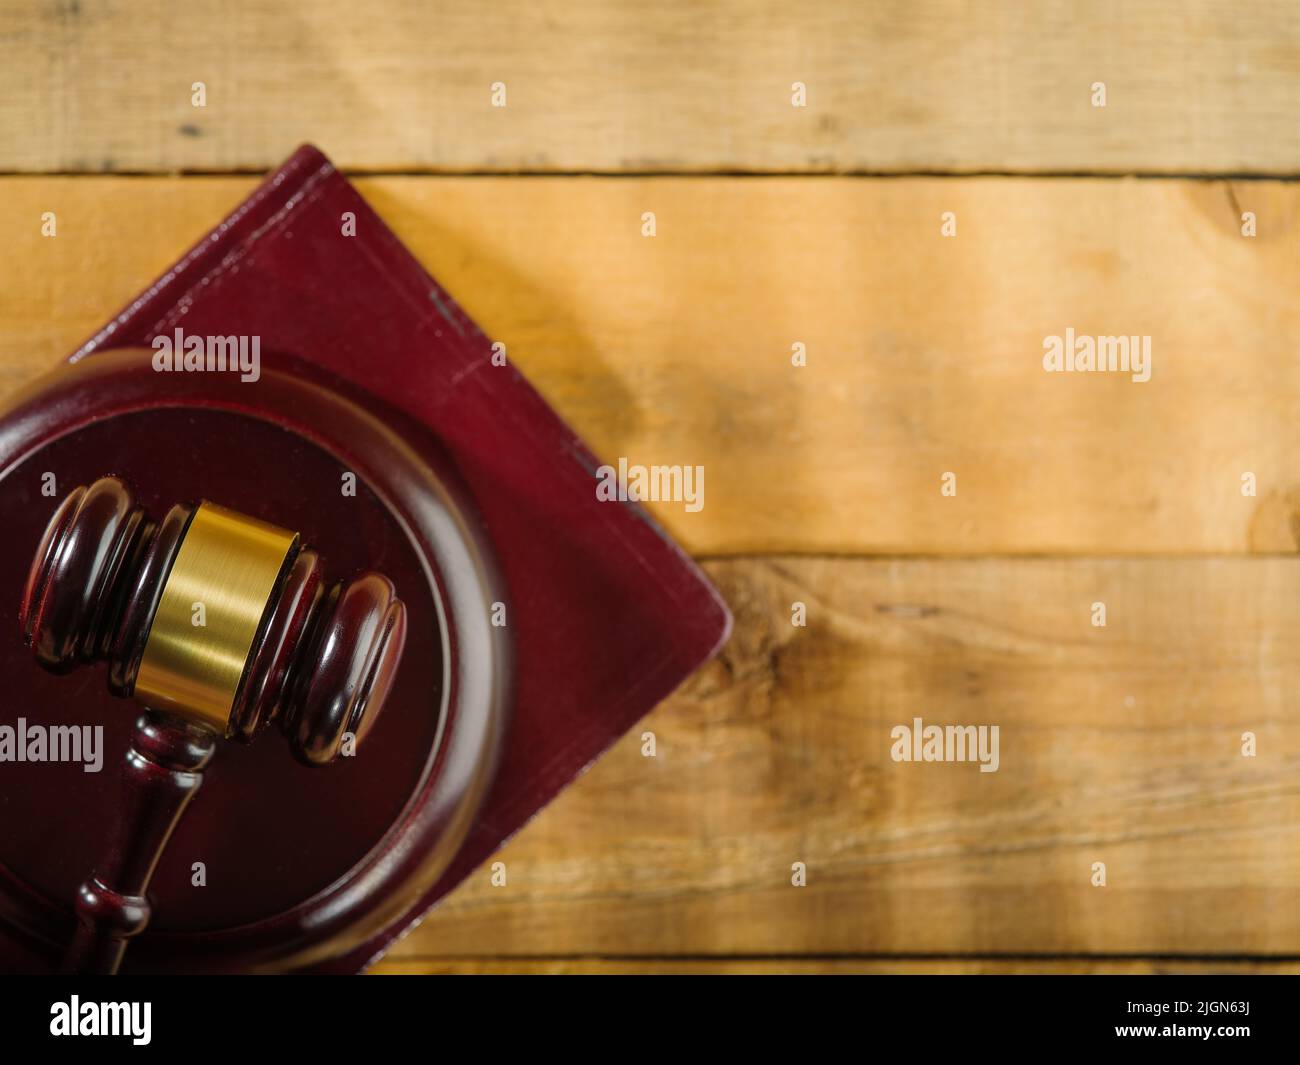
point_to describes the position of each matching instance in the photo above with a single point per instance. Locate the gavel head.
(217, 618)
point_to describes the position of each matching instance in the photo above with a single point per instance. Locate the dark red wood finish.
(162, 771)
(369, 833)
(322, 663)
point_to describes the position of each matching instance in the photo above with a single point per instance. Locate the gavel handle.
(164, 768)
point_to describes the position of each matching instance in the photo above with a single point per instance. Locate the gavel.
(218, 624)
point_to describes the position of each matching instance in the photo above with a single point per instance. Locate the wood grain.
(1120, 745)
(830, 967)
(924, 353)
(681, 85)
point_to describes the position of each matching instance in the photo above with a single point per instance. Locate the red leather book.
(608, 614)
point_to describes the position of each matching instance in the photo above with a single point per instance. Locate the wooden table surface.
(819, 226)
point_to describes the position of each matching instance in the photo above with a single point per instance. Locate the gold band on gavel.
(211, 608)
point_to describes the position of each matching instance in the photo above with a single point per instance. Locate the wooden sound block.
(275, 866)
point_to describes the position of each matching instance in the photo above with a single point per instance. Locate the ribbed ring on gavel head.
(213, 616)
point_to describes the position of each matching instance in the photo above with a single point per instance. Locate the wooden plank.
(924, 352)
(681, 85)
(829, 967)
(1120, 745)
